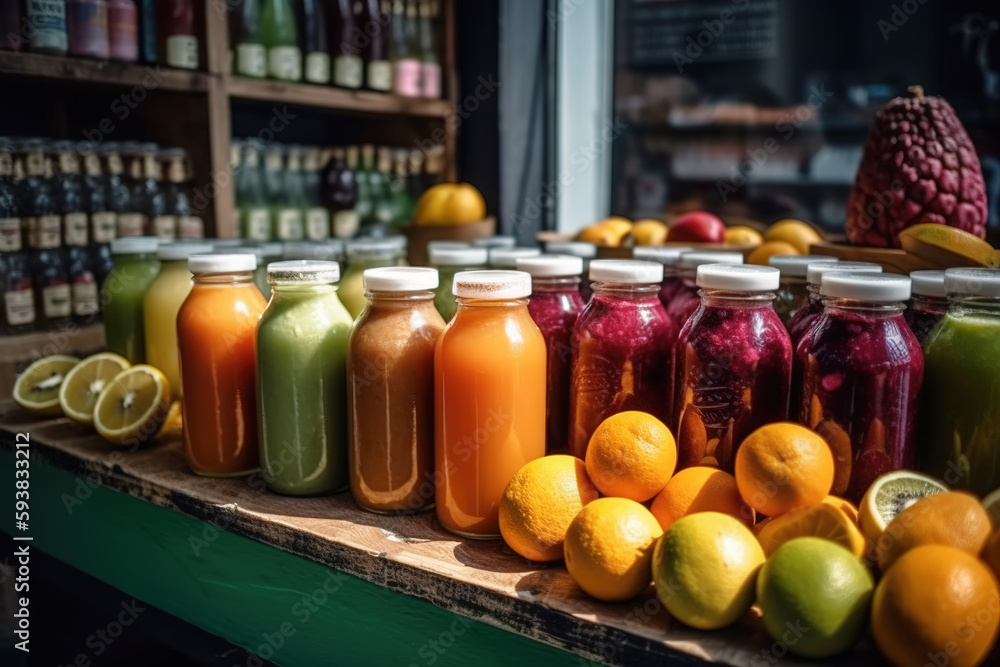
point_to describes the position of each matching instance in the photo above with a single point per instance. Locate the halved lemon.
(37, 388)
(84, 383)
(133, 406)
(889, 495)
(823, 520)
(992, 504)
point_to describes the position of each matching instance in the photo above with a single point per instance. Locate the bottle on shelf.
(118, 190)
(359, 165)
(177, 199)
(162, 225)
(430, 63)
(53, 304)
(384, 214)
(378, 68)
(123, 31)
(402, 203)
(314, 40)
(291, 212)
(317, 216)
(69, 195)
(148, 50)
(11, 14)
(250, 54)
(434, 162)
(341, 192)
(252, 204)
(176, 25)
(280, 36)
(45, 23)
(415, 174)
(16, 286)
(87, 29)
(348, 65)
(100, 215)
(405, 49)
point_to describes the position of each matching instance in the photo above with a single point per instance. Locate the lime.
(133, 406)
(889, 495)
(37, 388)
(83, 384)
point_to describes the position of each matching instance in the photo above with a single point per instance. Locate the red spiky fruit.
(919, 165)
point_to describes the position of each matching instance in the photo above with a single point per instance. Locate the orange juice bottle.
(215, 337)
(489, 399)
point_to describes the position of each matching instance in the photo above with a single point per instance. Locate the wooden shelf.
(81, 70)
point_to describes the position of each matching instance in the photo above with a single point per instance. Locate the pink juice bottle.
(582, 249)
(684, 300)
(803, 318)
(668, 256)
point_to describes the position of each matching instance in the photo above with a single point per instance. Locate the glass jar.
(302, 380)
(862, 371)
(582, 249)
(806, 314)
(506, 258)
(495, 242)
(685, 298)
(668, 257)
(122, 294)
(555, 305)
(734, 364)
(623, 344)
(215, 338)
(489, 399)
(792, 293)
(960, 417)
(928, 304)
(448, 262)
(364, 254)
(390, 372)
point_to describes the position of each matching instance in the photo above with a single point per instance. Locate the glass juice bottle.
(251, 54)
(792, 293)
(215, 338)
(302, 380)
(255, 216)
(281, 39)
(960, 419)
(449, 262)
(16, 286)
(160, 306)
(623, 345)
(582, 249)
(348, 65)
(928, 304)
(391, 391)
(802, 319)
(95, 201)
(314, 40)
(685, 299)
(555, 305)
(489, 399)
(734, 364)
(364, 254)
(669, 258)
(122, 295)
(862, 373)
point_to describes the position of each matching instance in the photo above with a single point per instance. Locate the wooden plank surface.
(82, 70)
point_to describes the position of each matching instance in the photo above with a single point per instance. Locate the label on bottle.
(57, 301)
(35, 163)
(165, 227)
(430, 80)
(346, 223)
(75, 229)
(10, 234)
(182, 51)
(407, 79)
(348, 71)
(290, 225)
(46, 19)
(258, 224)
(285, 63)
(85, 298)
(19, 306)
(380, 75)
(318, 67)
(102, 226)
(44, 231)
(131, 224)
(251, 60)
(190, 227)
(88, 29)
(317, 223)
(6, 164)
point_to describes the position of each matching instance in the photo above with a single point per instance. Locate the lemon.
(649, 232)
(705, 569)
(133, 406)
(743, 235)
(794, 232)
(37, 388)
(889, 495)
(84, 383)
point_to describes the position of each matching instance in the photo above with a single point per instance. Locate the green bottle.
(280, 36)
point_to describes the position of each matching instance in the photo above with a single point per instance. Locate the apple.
(697, 227)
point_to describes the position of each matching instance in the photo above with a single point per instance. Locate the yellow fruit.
(954, 518)
(889, 495)
(649, 232)
(795, 232)
(133, 406)
(37, 388)
(618, 224)
(700, 489)
(84, 383)
(844, 506)
(948, 246)
(824, 521)
(764, 251)
(447, 204)
(743, 235)
(705, 570)
(609, 547)
(429, 209)
(540, 502)
(937, 605)
(631, 455)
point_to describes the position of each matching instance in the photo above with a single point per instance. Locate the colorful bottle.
(179, 43)
(506, 258)
(46, 20)
(489, 399)
(340, 190)
(314, 41)
(87, 29)
(669, 257)
(391, 391)
(280, 35)
(623, 345)
(123, 31)
(41, 208)
(251, 54)
(123, 292)
(148, 40)
(348, 65)
(16, 285)
(861, 380)
(364, 254)
(255, 217)
(792, 294)
(802, 319)
(928, 304)
(405, 60)
(734, 364)
(215, 337)
(378, 68)
(449, 262)
(685, 299)
(430, 62)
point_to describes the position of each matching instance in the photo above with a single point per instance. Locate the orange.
(429, 209)
(955, 518)
(937, 605)
(609, 548)
(765, 250)
(795, 232)
(449, 204)
(844, 506)
(825, 521)
(700, 489)
(539, 503)
(783, 466)
(631, 455)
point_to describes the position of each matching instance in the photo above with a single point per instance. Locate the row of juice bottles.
(409, 408)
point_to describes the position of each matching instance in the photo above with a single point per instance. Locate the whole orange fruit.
(631, 455)
(539, 503)
(700, 489)
(955, 518)
(783, 466)
(937, 605)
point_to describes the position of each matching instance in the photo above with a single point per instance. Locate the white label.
(285, 63)
(290, 224)
(35, 163)
(165, 227)
(258, 224)
(346, 223)
(380, 75)
(251, 60)
(317, 223)
(75, 229)
(47, 22)
(45, 231)
(102, 226)
(85, 299)
(20, 307)
(182, 51)
(131, 224)
(348, 71)
(191, 227)
(318, 67)
(56, 301)
(10, 234)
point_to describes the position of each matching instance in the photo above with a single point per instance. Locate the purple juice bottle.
(733, 364)
(582, 249)
(802, 318)
(668, 256)
(792, 294)
(928, 304)
(555, 305)
(623, 345)
(685, 300)
(862, 372)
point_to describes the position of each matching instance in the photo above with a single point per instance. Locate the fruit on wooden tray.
(889, 495)
(697, 227)
(37, 388)
(824, 521)
(948, 246)
(447, 204)
(631, 455)
(919, 165)
(648, 232)
(85, 382)
(765, 250)
(743, 235)
(796, 233)
(608, 233)
(700, 489)
(133, 406)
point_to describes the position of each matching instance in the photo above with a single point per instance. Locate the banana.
(947, 246)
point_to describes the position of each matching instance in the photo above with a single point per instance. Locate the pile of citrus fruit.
(916, 563)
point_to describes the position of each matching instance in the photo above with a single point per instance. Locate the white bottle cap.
(134, 245)
(814, 272)
(665, 255)
(372, 248)
(796, 266)
(492, 285)
(431, 245)
(738, 277)
(244, 261)
(466, 256)
(631, 271)
(495, 242)
(972, 282)
(303, 271)
(692, 260)
(177, 251)
(506, 258)
(928, 283)
(551, 266)
(878, 287)
(574, 248)
(400, 279)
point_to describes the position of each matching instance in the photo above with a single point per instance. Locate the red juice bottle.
(684, 301)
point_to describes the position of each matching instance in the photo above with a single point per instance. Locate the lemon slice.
(889, 495)
(37, 388)
(824, 520)
(83, 384)
(992, 504)
(133, 406)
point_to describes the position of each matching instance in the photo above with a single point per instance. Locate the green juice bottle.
(122, 294)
